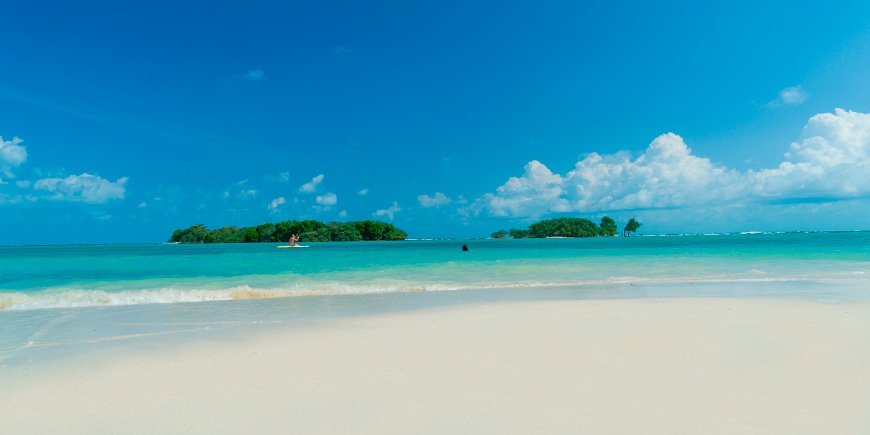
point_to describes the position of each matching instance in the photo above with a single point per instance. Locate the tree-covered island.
(307, 230)
(569, 227)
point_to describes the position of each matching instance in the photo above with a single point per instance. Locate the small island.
(307, 230)
(569, 227)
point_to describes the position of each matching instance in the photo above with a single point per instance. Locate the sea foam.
(71, 298)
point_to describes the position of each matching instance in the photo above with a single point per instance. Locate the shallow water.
(61, 300)
(49, 334)
(77, 276)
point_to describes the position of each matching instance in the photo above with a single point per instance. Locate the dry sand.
(605, 366)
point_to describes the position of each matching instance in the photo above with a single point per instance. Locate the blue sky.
(121, 122)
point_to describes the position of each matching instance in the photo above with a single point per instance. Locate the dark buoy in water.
(464, 248)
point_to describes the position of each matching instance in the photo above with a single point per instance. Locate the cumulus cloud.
(792, 95)
(389, 212)
(536, 192)
(831, 160)
(342, 213)
(12, 154)
(255, 75)
(311, 186)
(667, 174)
(436, 200)
(327, 199)
(276, 203)
(363, 192)
(86, 188)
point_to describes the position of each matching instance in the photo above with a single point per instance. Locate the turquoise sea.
(55, 297)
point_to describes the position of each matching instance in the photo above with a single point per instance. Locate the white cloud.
(536, 192)
(667, 174)
(143, 204)
(6, 198)
(87, 188)
(363, 192)
(311, 186)
(327, 199)
(389, 212)
(277, 177)
(276, 203)
(831, 160)
(255, 75)
(12, 154)
(342, 213)
(248, 193)
(792, 95)
(436, 200)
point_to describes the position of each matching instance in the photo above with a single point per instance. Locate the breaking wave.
(71, 297)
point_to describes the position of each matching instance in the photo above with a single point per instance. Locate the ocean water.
(36, 277)
(70, 297)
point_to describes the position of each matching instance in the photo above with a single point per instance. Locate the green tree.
(344, 232)
(266, 232)
(518, 233)
(283, 231)
(500, 234)
(393, 233)
(370, 230)
(195, 234)
(631, 227)
(608, 226)
(323, 234)
(306, 226)
(228, 234)
(564, 227)
(251, 235)
(307, 230)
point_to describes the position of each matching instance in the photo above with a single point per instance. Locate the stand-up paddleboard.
(296, 246)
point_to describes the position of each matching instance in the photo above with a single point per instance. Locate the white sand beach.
(594, 366)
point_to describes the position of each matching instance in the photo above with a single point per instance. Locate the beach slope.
(594, 366)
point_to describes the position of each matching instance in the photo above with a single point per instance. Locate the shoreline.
(12, 301)
(50, 334)
(597, 365)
